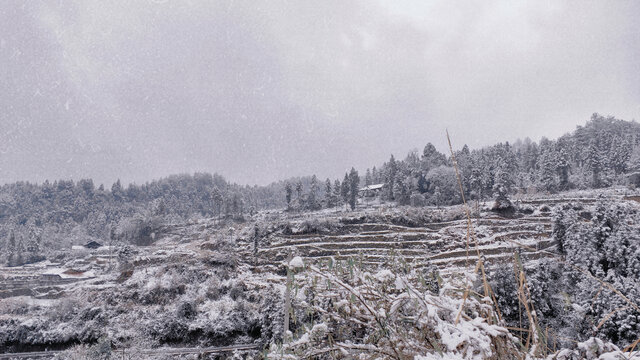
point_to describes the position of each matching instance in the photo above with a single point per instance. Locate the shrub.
(358, 314)
(417, 200)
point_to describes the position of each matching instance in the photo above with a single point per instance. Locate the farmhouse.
(371, 190)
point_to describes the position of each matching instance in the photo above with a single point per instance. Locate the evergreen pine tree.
(634, 160)
(19, 253)
(401, 191)
(218, 200)
(367, 178)
(475, 182)
(594, 164)
(344, 191)
(33, 247)
(337, 192)
(391, 177)
(562, 167)
(432, 158)
(299, 189)
(11, 249)
(312, 201)
(117, 191)
(288, 194)
(354, 183)
(328, 194)
(548, 168)
(501, 189)
(619, 154)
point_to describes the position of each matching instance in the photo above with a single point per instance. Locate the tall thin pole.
(287, 297)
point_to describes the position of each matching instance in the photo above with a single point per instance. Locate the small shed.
(371, 190)
(92, 245)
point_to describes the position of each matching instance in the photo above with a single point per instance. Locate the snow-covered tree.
(432, 158)
(337, 192)
(312, 199)
(443, 185)
(344, 189)
(11, 249)
(33, 247)
(329, 199)
(619, 154)
(288, 194)
(299, 189)
(390, 180)
(594, 164)
(548, 167)
(608, 247)
(117, 191)
(354, 184)
(501, 190)
(218, 200)
(401, 191)
(562, 167)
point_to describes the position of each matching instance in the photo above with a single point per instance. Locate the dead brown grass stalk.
(470, 236)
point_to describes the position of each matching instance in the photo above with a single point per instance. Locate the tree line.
(333, 194)
(600, 154)
(603, 152)
(36, 218)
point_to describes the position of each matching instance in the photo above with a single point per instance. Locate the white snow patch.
(296, 263)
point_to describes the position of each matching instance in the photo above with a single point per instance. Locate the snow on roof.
(372, 187)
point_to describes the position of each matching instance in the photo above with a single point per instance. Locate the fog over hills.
(264, 91)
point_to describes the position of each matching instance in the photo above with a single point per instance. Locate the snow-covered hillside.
(207, 284)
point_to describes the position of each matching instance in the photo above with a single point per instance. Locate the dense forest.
(36, 218)
(602, 153)
(597, 244)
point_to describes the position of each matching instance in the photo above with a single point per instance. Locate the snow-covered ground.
(202, 284)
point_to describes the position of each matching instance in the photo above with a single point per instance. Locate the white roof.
(372, 187)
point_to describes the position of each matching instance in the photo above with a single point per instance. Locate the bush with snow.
(567, 297)
(593, 349)
(352, 313)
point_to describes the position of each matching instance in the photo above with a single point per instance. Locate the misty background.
(261, 91)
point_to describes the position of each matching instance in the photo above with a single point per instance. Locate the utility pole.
(287, 297)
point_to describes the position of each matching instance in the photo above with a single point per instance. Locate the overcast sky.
(260, 91)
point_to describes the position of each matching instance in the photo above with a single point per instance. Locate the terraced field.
(443, 244)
